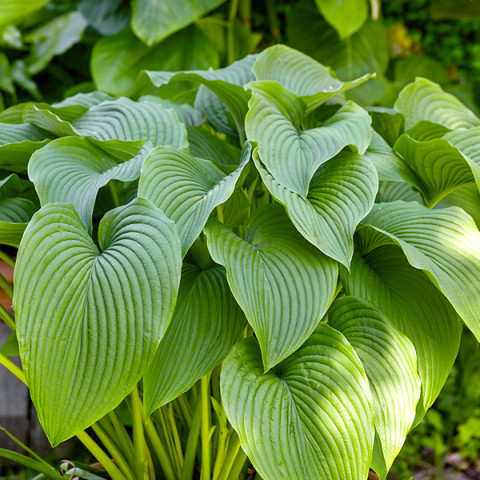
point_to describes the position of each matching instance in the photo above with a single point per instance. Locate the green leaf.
(13, 10)
(387, 122)
(108, 308)
(72, 170)
(189, 115)
(310, 417)
(366, 51)
(118, 59)
(445, 243)
(85, 100)
(390, 363)
(187, 189)
(10, 346)
(54, 38)
(466, 197)
(391, 191)
(346, 16)
(341, 193)
(107, 17)
(223, 89)
(293, 156)
(206, 324)
(264, 276)
(413, 305)
(301, 74)
(154, 20)
(6, 80)
(425, 100)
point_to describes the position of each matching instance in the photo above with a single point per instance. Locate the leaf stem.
(9, 365)
(192, 442)
(101, 456)
(5, 286)
(141, 464)
(205, 428)
(7, 318)
(231, 31)
(114, 193)
(7, 259)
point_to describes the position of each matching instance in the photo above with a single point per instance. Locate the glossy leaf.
(187, 189)
(425, 100)
(346, 16)
(310, 417)
(154, 20)
(206, 324)
(110, 307)
(390, 362)
(293, 156)
(264, 276)
(341, 193)
(72, 170)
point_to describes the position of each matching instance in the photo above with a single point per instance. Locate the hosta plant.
(271, 277)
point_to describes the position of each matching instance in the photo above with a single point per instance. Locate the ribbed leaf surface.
(390, 363)
(187, 189)
(341, 193)
(293, 156)
(89, 322)
(309, 418)
(72, 170)
(414, 306)
(425, 100)
(302, 75)
(445, 243)
(206, 324)
(271, 271)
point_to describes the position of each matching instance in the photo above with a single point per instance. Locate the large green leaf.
(341, 193)
(414, 306)
(154, 20)
(390, 363)
(264, 274)
(301, 74)
(466, 197)
(222, 91)
(425, 100)
(13, 10)
(121, 119)
(291, 155)
(189, 115)
(187, 189)
(445, 243)
(118, 59)
(72, 170)
(206, 324)
(366, 51)
(89, 321)
(346, 16)
(310, 417)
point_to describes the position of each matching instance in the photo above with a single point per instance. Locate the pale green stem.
(141, 465)
(205, 429)
(9, 365)
(7, 318)
(7, 259)
(192, 442)
(5, 286)
(160, 451)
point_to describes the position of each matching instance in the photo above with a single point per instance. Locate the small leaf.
(310, 417)
(390, 363)
(264, 276)
(341, 193)
(187, 189)
(93, 310)
(346, 16)
(425, 100)
(206, 324)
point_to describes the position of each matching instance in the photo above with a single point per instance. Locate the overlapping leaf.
(206, 324)
(445, 243)
(293, 156)
(89, 322)
(341, 193)
(390, 362)
(425, 100)
(72, 170)
(187, 189)
(310, 417)
(413, 305)
(310, 80)
(271, 271)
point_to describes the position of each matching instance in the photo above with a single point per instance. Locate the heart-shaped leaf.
(341, 193)
(89, 322)
(293, 156)
(206, 324)
(310, 417)
(72, 170)
(414, 306)
(264, 276)
(187, 189)
(390, 363)
(425, 100)
(346, 16)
